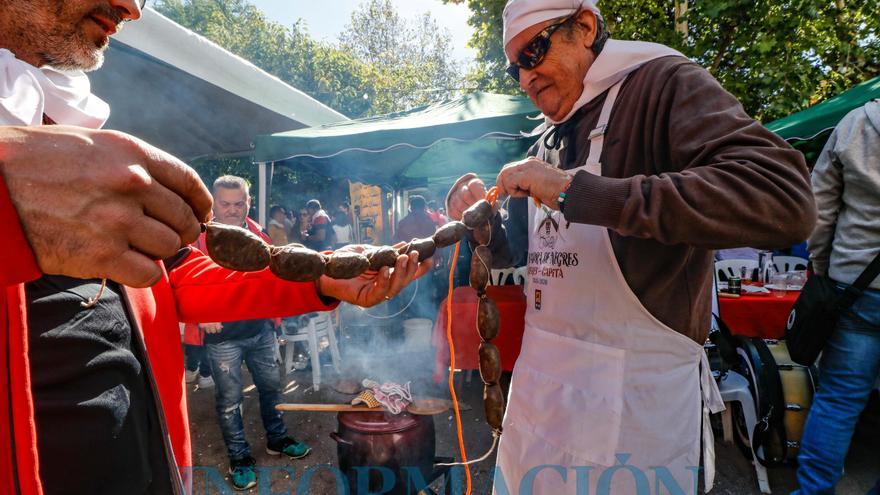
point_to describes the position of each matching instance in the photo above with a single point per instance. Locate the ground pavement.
(734, 474)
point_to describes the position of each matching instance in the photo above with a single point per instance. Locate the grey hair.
(602, 33)
(232, 182)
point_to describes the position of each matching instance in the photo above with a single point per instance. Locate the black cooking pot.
(378, 449)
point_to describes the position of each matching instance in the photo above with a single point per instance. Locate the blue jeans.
(848, 369)
(226, 358)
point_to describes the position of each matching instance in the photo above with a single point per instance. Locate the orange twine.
(492, 197)
(467, 470)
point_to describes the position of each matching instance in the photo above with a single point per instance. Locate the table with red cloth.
(511, 303)
(762, 316)
(749, 315)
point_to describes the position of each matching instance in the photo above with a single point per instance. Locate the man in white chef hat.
(646, 165)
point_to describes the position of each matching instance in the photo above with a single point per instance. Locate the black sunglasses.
(536, 49)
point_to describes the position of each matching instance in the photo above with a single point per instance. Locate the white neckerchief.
(617, 59)
(27, 93)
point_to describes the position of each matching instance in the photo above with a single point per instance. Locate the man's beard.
(73, 51)
(59, 35)
(68, 47)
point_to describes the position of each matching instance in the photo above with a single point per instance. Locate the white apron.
(605, 399)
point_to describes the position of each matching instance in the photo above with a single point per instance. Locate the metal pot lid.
(379, 422)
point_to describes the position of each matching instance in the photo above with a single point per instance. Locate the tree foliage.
(413, 56)
(776, 56)
(384, 63)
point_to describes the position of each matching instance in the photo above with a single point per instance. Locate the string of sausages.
(488, 317)
(478, 220)
(241, 250)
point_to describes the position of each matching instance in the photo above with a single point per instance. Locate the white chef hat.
(520, 15)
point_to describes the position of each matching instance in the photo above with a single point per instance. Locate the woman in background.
(277, 229)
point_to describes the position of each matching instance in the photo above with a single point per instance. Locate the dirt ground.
(278, 476)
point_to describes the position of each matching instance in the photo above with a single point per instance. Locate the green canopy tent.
(808, 130)
(433, 144)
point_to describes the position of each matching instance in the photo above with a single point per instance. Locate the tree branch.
(722, 49)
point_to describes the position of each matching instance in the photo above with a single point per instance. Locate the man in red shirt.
(418, 223)
(229, 344)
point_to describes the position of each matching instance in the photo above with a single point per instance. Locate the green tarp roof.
(821, 118)
(478, 133)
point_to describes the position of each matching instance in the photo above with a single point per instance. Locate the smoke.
(392, 341)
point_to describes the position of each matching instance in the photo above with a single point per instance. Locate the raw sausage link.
(478, 214)
(490, 363)
(481, 262)
(236, 248)
(488, 318)
(493, 402)
(297, 264)
(381, 256)
(346, 264)
(482, 234)
(425, 248)
(449, 234)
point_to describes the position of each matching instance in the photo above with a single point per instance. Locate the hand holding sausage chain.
(477, 218)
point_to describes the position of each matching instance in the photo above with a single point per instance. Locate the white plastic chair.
(789, 263)
(735, 388)
(729, 268)
(317, 327)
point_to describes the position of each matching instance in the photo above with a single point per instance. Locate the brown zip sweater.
(685, 171)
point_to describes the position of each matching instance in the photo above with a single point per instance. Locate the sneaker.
(206, 382)
(242, 473)
(289, 447)
(191, 375)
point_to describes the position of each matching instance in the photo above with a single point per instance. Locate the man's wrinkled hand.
(535, 178)
(372, 288)
(100, 204)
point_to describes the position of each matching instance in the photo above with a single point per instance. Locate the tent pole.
(395, 193)
(262, 193)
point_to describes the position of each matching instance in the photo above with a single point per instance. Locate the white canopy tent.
(187, 95)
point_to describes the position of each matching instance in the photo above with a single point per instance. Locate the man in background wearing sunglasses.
(92, 398)
(645, 166)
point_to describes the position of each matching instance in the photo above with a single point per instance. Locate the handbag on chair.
(815, 313)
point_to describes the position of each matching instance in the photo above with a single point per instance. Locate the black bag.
(815, 314)
(750, 357)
